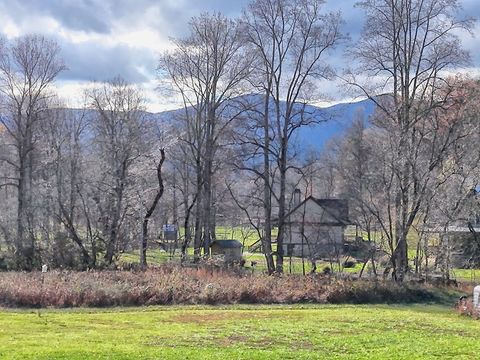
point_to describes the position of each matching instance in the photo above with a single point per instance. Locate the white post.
(476, 297)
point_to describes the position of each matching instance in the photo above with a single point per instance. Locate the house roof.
(227, 244)
(336, 208)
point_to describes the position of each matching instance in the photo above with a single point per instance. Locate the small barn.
(315, 228)
(230, 249)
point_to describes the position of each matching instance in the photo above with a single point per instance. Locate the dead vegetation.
(169, 284)
(465, 306)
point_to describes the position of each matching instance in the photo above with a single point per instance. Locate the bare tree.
(355, 179)
(453, 199)
(183, 181)
(291, 40)
(405, 51)
(151, 209)
(64, 147)
(118, 137)
(207, 69)
(28, 67)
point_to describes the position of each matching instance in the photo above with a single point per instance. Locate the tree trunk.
(282, 204)
(267, 196)
(150, 210)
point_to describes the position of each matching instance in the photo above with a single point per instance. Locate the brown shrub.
(465, 307)
(171, 284)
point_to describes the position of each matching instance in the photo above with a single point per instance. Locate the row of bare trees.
(407, 50)
(91, 179)
(443, 177)
(74, 182)
(406, 56)
(276, 52)
(27, 70)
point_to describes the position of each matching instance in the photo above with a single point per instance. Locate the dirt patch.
(233, 340)
(263, 342)
(207, 318)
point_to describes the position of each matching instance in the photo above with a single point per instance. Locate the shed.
(170, 232)
(315, 228)
(230, 249)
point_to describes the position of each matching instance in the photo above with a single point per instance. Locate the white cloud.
(105, 38)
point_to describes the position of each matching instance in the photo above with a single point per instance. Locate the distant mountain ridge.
(338, 118)
(329, 121)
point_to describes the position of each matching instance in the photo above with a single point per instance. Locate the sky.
(102, 39)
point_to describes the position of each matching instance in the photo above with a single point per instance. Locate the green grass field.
(241, 332)
(158, 257)
(468, 275)
(248, 236)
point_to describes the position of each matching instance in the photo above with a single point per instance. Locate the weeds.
(171, 284)
(465, 306)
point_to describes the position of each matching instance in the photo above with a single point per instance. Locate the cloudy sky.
(101, 39)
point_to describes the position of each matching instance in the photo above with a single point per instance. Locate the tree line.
(78, 188)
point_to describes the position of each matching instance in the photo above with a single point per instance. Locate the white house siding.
(322, 237)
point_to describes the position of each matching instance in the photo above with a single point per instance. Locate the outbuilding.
(231, 250)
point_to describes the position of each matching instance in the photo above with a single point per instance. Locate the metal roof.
(337, 208)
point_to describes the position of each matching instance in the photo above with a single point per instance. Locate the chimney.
(297, 195)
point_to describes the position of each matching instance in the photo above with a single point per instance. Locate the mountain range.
(326, 122)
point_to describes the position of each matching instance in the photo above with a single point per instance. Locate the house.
(463, 243)
(315, 228)
(460, 239)
(231, 250)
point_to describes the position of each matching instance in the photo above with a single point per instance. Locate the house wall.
(318, 240)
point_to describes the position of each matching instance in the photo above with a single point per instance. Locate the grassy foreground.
(245, 332)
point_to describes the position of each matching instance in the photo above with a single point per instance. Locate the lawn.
(466, 275)
(295, 265)
(158, 257)
(241, 332)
